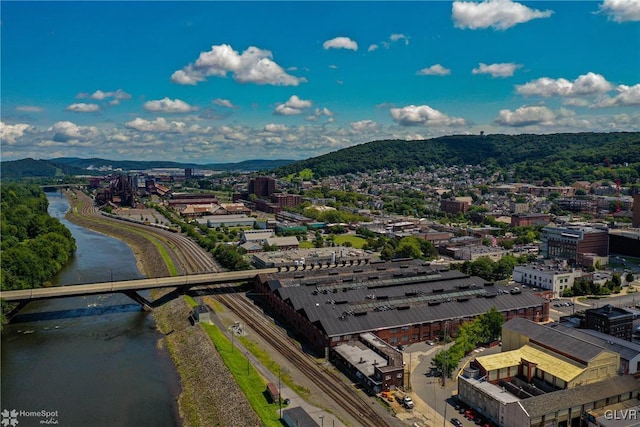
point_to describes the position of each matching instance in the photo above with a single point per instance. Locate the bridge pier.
(146, 305)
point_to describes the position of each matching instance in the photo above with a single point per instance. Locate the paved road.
(434, 401)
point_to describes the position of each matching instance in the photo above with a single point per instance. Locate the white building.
(554, 277)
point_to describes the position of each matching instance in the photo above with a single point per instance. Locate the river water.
(87, 361)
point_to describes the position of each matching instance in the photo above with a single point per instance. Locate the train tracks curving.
(187, 255)
(328, 382)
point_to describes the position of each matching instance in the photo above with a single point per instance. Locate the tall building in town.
(578, 245)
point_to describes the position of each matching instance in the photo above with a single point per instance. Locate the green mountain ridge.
(64, 166)
(556, 157)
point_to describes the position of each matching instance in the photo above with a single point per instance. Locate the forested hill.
(553, 156)
(65, 166)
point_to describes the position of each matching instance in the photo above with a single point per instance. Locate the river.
(87, 361)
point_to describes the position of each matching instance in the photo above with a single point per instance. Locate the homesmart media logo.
(11, 417)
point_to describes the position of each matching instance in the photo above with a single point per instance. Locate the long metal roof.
(360, 304)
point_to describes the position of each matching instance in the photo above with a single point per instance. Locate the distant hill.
(30, 168)
(554, 156)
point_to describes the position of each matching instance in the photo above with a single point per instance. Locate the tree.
(408, 247)
(492, 323)
(629, 277)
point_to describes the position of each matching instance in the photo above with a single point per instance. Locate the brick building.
(578, 245)
(523, 220)
(262, 186)
(454, 206)
(611, 320)
(286, 200)
(401, 302)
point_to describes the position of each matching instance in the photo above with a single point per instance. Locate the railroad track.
(326, 381)
(189, 257)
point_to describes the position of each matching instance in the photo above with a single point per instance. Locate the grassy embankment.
(166, 258)
(238, 362)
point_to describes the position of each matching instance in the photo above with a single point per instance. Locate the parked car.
(456, 422)
(408, 402)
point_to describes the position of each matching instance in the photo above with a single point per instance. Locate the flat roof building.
(575, 244)
(611, 320)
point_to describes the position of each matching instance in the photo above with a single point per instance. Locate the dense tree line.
(483, 329)
(34, 246)
(488, 269)
(554, 158)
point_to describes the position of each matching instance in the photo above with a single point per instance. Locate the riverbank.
(145, 252)
(210, 395)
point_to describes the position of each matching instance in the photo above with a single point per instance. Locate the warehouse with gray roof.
(401, 302)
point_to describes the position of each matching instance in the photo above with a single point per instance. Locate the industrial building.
(544, 376)
(401, 302)
(629, 351)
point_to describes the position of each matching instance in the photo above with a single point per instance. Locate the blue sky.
(217, 82)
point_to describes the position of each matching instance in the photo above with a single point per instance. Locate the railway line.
(187, 255)
(332, 386)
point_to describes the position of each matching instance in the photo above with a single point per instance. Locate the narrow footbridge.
(131, 287)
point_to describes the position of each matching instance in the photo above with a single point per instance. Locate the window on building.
(399, 375)
(387, 377)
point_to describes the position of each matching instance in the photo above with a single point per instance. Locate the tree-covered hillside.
(34, 246)
(557, 157)
(30, 168)
(70, 166)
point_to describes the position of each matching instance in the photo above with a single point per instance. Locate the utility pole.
(280, 390)
(444, 372)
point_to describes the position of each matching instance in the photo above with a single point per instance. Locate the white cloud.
(498, 14)
(29, 109)
(414, 115)
(319, 112)
(434, 70)
(587, 84)
(68, 131)
(223, 103)
(167, 105)
(293, 106)
(158, 125)
(505, 69)
(254, 65)
(9, 134)
(362, 126)
(81, 107)
(396, 37)
(372, 47)
(627, 96)
(333, 67)
(621, 10)
(340, 43)
(526, 116)
(118, 94)
(275, 128)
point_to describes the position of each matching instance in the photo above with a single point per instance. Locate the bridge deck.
(132, 285)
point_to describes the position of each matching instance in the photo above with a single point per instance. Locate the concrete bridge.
(131, 287)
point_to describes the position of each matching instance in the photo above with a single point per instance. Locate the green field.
(306, 244)
(356, 242)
